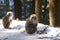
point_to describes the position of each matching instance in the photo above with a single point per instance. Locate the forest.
(46, 11)
(24, 8)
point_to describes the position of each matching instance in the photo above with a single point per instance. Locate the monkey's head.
(33, 19)
(9, 14)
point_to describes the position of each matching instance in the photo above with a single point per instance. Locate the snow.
(18, 32)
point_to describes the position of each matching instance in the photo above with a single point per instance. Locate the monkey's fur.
(31, 24)
(6, 20)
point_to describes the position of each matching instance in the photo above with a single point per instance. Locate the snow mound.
(18, 32)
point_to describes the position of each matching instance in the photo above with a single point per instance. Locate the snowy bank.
(18, 32)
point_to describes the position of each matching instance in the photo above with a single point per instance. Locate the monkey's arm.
(10, 21)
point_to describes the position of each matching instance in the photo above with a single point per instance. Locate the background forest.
(24, 8)
(48, 15)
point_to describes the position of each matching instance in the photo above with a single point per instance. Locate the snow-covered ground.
(18, 32)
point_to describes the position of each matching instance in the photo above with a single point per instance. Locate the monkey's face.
(33, 19)
(9, 14)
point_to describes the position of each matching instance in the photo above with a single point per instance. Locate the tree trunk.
(33, 7)
(17, 8)
(54, 12)
(7, 5)
(38, 10)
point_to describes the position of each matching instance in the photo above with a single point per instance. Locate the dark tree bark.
(17, 8)
(33, 7)
(54, 13)
(38, 10)
(7, 5)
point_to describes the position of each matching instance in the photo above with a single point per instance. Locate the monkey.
(31, 24)
(7, 19)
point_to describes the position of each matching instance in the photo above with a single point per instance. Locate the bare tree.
(38, 10)
(17, 8)
(7, 5)
(33, 7)
(54, 12)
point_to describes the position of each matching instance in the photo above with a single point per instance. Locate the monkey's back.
(30, 27)
(5, 21)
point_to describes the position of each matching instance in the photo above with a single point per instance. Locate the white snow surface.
(18, 32)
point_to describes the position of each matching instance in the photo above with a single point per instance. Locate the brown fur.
(6, 20)
(31, 24)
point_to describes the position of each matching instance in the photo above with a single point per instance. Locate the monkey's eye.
(33, 17)
(9, 14)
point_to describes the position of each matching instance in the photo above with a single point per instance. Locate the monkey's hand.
(10, 21)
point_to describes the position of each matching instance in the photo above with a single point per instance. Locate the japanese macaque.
(31, 24)
(6, 20)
